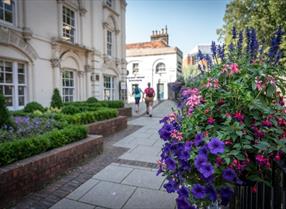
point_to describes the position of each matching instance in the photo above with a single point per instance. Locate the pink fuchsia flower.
(228, 115)
(211, 120)
(271, 80)
(228, 142)
(177, 135)
(216, 83)
(277, 157)
(281, 122)
(234, 68)
(209, 84)
(219, 160)
(259, 84)
(194, 100)
(238, 116)
(225, 68)
(262, 161)
(267, 123)
(254, 189)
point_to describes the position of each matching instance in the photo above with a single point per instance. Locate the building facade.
(77, 46)
(155, 62)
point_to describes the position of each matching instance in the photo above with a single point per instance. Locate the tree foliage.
(56, 99)
(265, 16)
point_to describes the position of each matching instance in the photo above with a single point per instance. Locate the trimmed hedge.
(73, 109)
(89, 117)
(111, 104)
(92, 99)
(33, 106)
(15, 150)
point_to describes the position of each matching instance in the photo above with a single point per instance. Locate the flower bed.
(18, 149)
(230, 126)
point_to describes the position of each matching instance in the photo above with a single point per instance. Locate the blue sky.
(190, 22)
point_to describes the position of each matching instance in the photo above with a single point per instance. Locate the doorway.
(160, 91)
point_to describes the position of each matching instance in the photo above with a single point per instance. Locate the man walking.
(149, 99)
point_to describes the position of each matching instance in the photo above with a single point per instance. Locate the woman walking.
(137, 96)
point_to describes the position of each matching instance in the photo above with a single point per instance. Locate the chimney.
(161, 35)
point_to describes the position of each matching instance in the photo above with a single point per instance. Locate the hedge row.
(15, 150)
(88, 117)
(110, 104)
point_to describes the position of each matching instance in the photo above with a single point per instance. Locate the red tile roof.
(151, 44)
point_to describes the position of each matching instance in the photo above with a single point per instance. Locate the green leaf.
(270, 91)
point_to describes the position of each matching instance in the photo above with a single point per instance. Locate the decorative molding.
(10, 38)
(82, 11)
(105, 6)
(117, 32)
(56, 63)
(27, 34)
(88, 68)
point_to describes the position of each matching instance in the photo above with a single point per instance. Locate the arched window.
(160, 67)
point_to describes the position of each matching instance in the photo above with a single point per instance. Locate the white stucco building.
(155, 62)
(77, 46)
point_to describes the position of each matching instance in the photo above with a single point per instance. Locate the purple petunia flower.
(226, 194)
(206, 169)
(211, 193)
(198, 191)
(188, 146)
(171, 186)
(184, 192)
(165, 131)
(229, 174)
(184, 155)
(204, 150)
(184, 203)
(199, 160)
(198, 139)
(216, 146)
(171, 164)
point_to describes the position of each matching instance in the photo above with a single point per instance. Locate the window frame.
(135, 68)
(14, 84)
(109, 88)
(68, 36)
(109, 3)
(71, 97)
(160, 69)
(14, 19)
(109, 43)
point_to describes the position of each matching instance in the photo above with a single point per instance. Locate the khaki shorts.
(149, 101)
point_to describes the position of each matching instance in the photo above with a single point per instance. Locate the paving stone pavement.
(130, 181)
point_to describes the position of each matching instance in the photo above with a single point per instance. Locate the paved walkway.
(142, 108)
(123, 185)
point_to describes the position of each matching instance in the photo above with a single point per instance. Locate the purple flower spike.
(198, 191)
(216, 146)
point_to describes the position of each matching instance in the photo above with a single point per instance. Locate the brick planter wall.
(108, 127)
(32, 173)
(125, 111)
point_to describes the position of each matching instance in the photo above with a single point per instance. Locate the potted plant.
(230, 126)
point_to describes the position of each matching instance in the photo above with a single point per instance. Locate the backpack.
(150, 92)
(137, 91)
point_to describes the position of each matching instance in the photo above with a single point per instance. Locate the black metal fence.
(265, 197)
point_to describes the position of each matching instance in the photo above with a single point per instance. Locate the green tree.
(5, 118)
(56, 99)
(265, 16)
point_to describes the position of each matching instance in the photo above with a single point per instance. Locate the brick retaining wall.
(108, 127)
(32, 173)
(125, 111)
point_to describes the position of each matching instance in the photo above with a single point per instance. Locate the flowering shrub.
(26, 126)
(230, 126)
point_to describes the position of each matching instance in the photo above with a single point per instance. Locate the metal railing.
(265, 197)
